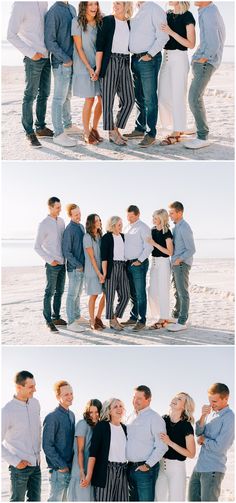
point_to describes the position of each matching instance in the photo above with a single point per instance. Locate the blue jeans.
(205, 486)
(142, 484)
(55, 287)
(145, 75)
(38, 84)
(180, 282)
(61, 106)
(202, 73)
(25, 482)
(59, 483)
(137, 281)
(76, 279)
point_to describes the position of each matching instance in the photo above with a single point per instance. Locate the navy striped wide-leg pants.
(116, 488)
(118, 282)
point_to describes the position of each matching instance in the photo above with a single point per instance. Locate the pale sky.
(205, 188)
(103, 372)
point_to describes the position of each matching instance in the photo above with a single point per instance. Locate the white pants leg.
(159, 288)
(173, 90)
(171, 481)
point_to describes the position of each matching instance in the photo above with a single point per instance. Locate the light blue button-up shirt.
(136, 245)
(184, 247)
(219, 435)
(212, 35)
(145, 29)
(143, 437)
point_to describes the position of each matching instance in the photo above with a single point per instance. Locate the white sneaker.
(75, 327)
(82, 321)
(63, 140)
(73, 129)
(176, 327)
(197, 143)
(172, 320)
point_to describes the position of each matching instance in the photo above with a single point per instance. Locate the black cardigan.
(107, 251)
(105, 36)
(99, 449)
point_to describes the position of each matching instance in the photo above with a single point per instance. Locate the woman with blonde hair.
(173, 80)
(179, 436)
(114, 271)
(113, 67)
(159, 287)
(107, 465)
(85, 83)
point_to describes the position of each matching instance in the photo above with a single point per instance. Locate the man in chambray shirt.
(146, 43)
(58, 441)
(215, 432)
(137, 251)
(48, 245)
(144, 446)
(181, 261)
(26, 33)
(205, 61)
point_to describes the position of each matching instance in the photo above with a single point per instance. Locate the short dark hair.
(220, 389)
(145, 389)
(53, 200)
(21, 377)
(176, 205)
(133, 209)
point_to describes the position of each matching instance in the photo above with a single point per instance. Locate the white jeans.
(171, 481)
(172, 90)
(159, 288)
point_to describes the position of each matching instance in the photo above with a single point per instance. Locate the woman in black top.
(171, 481)
(113, 67)
(159, 287)
(114, 271)
(174, 70)
(107, 464)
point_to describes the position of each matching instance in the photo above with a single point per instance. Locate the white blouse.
(120, 43)
(117, 452)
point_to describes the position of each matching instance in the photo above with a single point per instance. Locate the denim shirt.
(212, 35)
(219, 435)
(72, 246)
(184, 246)
(58, 38)
(58, 438)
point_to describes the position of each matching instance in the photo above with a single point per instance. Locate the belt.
(131, 261)
(136, 464)
(140, 54)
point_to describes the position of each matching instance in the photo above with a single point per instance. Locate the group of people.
(90, 54)
(104, 457)
(116, 263)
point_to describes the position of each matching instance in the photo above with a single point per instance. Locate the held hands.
(142, 468)
(82, 476)
(166, 28)
(94, 74)
(101, 278)
(22, 464)
(37, 56)
(165, 438)
(85, 482)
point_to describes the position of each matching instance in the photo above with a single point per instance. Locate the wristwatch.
(147, 466)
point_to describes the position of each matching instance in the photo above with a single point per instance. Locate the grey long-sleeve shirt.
(26, 28)
(21, 431)
(212, 35)
(145, 29)
(48, 242)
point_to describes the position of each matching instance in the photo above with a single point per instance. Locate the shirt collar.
(61, 409)
(140, 412)
(179, 223)
(221, 412)
(22, 403)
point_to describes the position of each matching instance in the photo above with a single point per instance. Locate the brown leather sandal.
(170, 140)
(99, 325)
(90, 139)
(95, 133)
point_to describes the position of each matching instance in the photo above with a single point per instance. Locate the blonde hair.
(112, 222)
(183, 7)
(70, 207)
(164, 218)
(106, 408)
(128, 10)
(58, 385)
(189, 407)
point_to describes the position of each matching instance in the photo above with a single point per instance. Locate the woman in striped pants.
(113, 67)
(107, 464)
(114, 271)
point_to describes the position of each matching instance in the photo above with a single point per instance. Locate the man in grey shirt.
(21, 439)
(215, 432)
(205, 61)
(146, 43)
(181, 261)
(144, 446)
(48, 245)
(26, 33)
(137, 251)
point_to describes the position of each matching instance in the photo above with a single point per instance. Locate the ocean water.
(20, 253)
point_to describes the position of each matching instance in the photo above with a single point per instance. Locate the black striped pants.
(118, 282)
(116, 488)
(117, 80)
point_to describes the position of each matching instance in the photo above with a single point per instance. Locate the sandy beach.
(211, 318)
(220, 111)
(227, 489)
